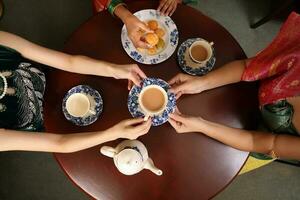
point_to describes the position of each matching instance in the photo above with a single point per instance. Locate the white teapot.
(130, 157)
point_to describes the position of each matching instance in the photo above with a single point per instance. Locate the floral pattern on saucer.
(91, 93)
(170, 38)
(133, 104)
(181, 57)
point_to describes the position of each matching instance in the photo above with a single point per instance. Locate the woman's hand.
(130, 128)
(186, 84)
(168, 7)
(135, 30)
(183, 123)
(132, 72)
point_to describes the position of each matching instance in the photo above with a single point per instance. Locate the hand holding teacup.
(187, 84)
(132, 72)
(130, 128)
(184, 123)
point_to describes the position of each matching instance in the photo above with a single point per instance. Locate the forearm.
(79, 141)
(253, 141)
(282, 145)
(56, 59)
(90, 66)
(227, 74)
(11, 140)
(123, 13)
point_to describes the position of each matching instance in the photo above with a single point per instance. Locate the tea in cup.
(79, 105)
(201, 51)
(153, 100)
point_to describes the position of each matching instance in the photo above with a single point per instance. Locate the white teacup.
(80, 105)
(153, 100)
(201, 51)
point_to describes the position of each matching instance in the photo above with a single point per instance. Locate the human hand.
(186, 84)
(136, 29)
(183, 123)
(130, 128)
(132, 72)
(168, 7)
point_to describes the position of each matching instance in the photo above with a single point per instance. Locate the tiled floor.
(37, 176)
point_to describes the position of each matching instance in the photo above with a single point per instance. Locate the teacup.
(80, 105)
(153, 100)
(201, 51)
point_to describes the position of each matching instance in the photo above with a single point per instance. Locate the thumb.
(135, 79)
(177, 117)
(145, 27)
(178, 88)
(142, 44)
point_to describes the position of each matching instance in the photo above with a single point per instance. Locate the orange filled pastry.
(159, 32)
(153, 25)
(152, 51)
(151, 38)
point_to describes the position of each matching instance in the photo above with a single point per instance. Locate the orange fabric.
(278, 66)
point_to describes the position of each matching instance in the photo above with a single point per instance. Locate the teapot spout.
(150, 165)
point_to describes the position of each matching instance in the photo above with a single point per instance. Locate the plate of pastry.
(163, 39)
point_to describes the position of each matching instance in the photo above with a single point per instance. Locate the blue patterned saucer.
(170, 38)
(188, 65)
(95, 98)
(133, 104)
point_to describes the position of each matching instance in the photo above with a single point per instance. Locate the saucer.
(133, 104)
(91, 93)
(188, 65)
(170, 38)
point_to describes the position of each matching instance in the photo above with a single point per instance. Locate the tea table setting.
(161, 164)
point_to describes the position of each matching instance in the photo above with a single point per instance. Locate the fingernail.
(146, 118)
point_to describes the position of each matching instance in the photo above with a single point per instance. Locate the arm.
(133, 25)
(48, 142)
(66, 62)
(227, 74)
(286, 146)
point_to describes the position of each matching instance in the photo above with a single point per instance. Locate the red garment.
(99, 5)
(278, 66)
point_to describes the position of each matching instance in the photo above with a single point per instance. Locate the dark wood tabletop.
(194, 166)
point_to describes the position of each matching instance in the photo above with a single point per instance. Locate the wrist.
(109, 135)
(122, 12)
(113, 5)
(129, 18)
(201, 125)
(111, 70)
(203, 84)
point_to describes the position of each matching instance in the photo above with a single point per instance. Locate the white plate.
(170, 38)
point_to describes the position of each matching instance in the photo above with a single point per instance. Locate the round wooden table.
(194, 166)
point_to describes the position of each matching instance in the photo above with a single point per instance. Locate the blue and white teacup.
(201, 51)
(80, 105)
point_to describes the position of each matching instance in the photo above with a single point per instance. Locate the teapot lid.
(129, 161)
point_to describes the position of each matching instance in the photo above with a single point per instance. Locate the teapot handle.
(108, 151)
